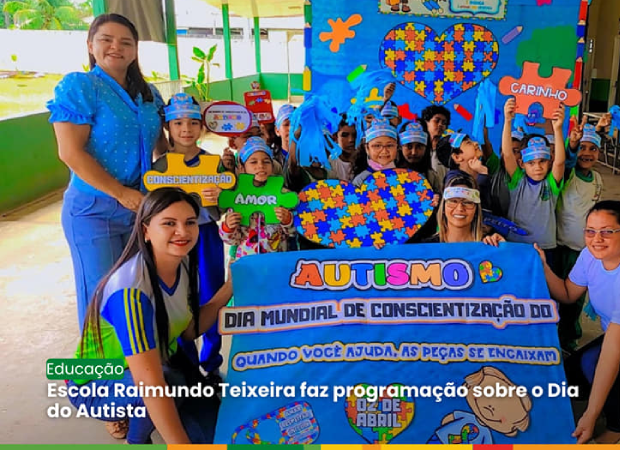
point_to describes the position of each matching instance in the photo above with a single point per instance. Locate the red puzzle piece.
(531, 88)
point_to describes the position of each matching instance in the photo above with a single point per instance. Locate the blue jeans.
(198, 415)
(97, 229)
(211, 270)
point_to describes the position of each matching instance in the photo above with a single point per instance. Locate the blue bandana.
(182, 107)
(590, 135)
(517, 134)
(457, 139)
(413, 132)
(284, 113)
(389, 111)
(380, 128)
(252, 145)
(536, 149)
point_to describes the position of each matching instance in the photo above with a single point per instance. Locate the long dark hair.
(462, 179)
(154, 203)
(135, 80)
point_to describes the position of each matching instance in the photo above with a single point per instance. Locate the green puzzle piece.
(247, 198)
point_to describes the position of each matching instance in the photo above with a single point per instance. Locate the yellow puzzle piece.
(190, 179)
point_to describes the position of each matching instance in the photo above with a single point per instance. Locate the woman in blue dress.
(107, 123)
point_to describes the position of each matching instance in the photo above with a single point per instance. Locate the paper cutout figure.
(531, 88)
(291, 424)
(388, 208)
(227, 118)
(259, 102)
(340, 31)
(247, 198)
(191, 179)
(439, 67)
(380, 421)
(506, 415)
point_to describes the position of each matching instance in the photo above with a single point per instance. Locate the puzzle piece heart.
(247, 198)
(488, 273)
(439, 67)
(380, 421)
(388, 208)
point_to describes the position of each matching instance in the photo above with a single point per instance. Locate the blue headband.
(590, 135)
(389, 111)
(284, 113)
(413, 132)
(457, 139)
(517, 134)
(380, 128)
(252, 145)
(182, 106)
(536, 149)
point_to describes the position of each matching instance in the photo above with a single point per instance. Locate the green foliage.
(47, 14)
(202, 81)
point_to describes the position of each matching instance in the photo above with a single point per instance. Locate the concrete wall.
(29, 161)
(28, 151)
(603, 27)
(65, 51)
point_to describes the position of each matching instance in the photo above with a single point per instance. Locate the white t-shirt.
(576, 199)
(603, 286)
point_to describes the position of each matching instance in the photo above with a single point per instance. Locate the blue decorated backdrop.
(334, 326)
(440, 51)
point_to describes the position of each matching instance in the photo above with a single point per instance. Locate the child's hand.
(541, 252)
(379, 245)
(477, 166)
(577, 132)
(585, 428)
(228, 159)
(493, 239)
(211, 194)
(603, 122)
(509, 108)
(283, 215)
(558, 118)
(388, 91)
(233, 220)
(436, 199)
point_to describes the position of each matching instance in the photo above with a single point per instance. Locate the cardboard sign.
(389, 207)
(247, 198)
(335, 336)
(259, 102)
(227, 118)
(191, 179)
(531, 88)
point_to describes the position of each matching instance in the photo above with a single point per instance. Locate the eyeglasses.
(454, 202)
(376, 147)
(605, 234)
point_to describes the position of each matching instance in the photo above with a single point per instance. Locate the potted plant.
(200, 84)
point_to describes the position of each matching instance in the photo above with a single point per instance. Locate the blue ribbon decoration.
(485, 109)
(615, 119)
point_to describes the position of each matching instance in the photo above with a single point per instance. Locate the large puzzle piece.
(191, 179)
(247, 198)
(388, 208)
(532, 88)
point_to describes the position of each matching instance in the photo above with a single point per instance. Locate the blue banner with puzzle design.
(442, 52)
(411, 344)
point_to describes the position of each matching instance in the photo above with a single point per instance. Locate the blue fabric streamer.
(313, 117)
(363, 85)
(520, 123)
(615, 119)
(501, 224)
(485, 109)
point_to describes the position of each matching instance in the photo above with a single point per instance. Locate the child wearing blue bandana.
(184, 124)
(535, 185)
(380, 152)
(582, 190)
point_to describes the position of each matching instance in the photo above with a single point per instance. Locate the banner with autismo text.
(413, 344)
